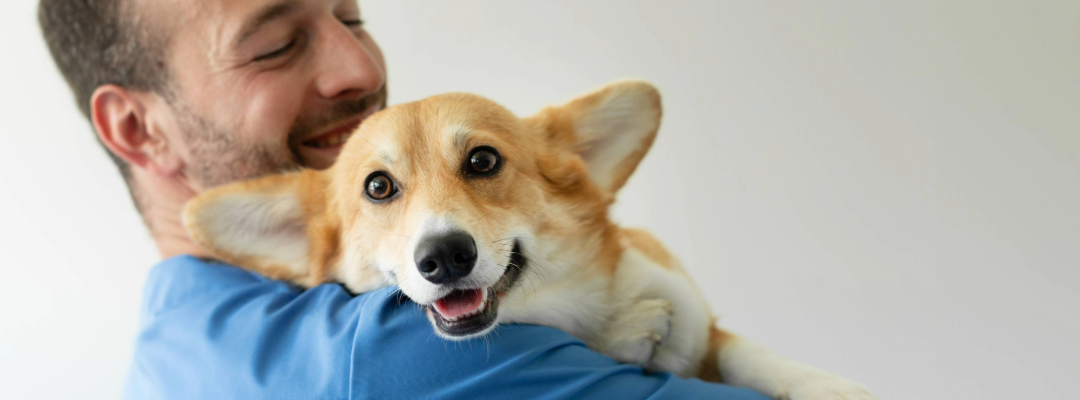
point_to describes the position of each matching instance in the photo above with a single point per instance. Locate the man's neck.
(162, 200)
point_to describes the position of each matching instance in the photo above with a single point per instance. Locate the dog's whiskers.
(539, 265)
(528, 278)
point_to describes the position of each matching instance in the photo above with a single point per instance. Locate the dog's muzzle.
(467, 312)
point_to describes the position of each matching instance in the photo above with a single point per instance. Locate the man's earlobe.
(120, 121)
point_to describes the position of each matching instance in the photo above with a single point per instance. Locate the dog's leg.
(658, 319)
(636, 330)
(743, 363)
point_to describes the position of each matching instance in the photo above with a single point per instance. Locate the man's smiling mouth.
(317, 146)
(466, 312)
(334, 138)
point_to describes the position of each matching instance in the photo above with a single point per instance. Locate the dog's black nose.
(446, 258)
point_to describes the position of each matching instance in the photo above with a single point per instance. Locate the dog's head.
(453, 197)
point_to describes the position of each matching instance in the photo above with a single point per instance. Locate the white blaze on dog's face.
(446, 196)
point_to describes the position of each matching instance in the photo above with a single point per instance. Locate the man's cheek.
(269, 115)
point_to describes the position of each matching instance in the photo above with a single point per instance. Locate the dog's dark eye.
(380, 187)
(483, 161)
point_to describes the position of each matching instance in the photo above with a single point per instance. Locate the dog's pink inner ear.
(269, 226)
(260, 224)
(614, 128)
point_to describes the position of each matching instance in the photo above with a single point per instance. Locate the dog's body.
(484, 218)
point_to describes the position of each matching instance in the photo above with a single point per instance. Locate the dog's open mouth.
(466, 312)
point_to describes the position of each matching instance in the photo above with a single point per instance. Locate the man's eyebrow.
(264, 15)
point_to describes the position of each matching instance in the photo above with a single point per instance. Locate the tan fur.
(619, 290)
(710, 369)
(652, 248)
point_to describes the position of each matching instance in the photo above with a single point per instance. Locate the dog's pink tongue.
(459, 303)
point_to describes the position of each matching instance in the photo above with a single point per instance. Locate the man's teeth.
(477, 311)
(332, 140)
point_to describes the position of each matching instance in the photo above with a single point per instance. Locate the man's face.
(259, 86)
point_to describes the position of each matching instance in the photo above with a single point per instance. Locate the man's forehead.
(220, 9)
(193, 21)
(223, 22)
(184, 13)
(218, 15)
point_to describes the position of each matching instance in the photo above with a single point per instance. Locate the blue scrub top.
(213, 331)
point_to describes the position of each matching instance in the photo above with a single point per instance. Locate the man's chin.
(319, 157)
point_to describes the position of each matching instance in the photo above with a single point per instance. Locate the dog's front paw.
(636, 331)
(828, 388)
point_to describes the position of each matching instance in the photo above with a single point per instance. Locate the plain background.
(887, 190)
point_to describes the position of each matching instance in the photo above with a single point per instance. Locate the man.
(189, 94)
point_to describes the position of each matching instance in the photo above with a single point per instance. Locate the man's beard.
(218, 158)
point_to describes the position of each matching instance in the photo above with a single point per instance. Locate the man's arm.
(215, 331)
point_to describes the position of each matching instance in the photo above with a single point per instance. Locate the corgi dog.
(483, 218)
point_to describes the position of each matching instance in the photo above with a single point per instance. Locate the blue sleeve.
(212, 331)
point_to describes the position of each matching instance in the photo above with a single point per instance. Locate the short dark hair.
(101, 42)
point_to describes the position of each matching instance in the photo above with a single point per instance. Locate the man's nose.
(348, 65)
(446, 258)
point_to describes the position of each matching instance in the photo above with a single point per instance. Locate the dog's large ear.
(610, 128)
(278, 226)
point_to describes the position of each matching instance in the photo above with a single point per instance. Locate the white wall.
(885, 189)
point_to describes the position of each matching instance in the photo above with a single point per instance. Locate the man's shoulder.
(213, 330)
(184, 279)
(187, 270)
(234, 331)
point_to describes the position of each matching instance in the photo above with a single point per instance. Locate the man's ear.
(278, 226)
(121, 121)
(611, 129)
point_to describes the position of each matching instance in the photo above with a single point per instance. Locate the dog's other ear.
(278, 226)
(610, 128)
